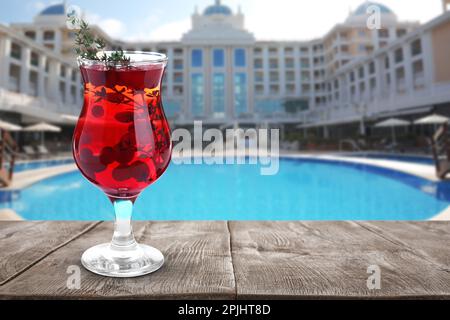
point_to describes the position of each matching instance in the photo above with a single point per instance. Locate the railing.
(8, 151)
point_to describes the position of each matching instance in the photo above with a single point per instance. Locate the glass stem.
(123, 237)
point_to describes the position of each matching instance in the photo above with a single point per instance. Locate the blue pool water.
(33, 165)
(302, 190)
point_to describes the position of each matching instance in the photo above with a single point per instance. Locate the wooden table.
(229, 260)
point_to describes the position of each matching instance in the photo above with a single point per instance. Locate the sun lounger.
(42, 150)
(29, 151)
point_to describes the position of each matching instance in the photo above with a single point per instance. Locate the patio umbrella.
(434, 119)
(392, 123)
(42, 127)
(7, 126)
(70, 119)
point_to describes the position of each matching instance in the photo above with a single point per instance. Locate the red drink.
(122, 141)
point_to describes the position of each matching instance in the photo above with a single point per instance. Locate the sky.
(267, 19)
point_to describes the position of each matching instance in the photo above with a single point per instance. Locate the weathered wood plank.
(22, 244)
(426, 239)
(330, 259)
(198, 265)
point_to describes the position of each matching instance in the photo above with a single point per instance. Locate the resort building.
(221, 74)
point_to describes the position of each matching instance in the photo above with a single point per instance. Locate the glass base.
(122, 262)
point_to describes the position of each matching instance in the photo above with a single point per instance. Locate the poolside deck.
(235, 260)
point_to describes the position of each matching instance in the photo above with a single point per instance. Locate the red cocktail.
(122, 145)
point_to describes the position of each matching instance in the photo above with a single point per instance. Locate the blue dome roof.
(362, 9)
(218, 8)
(54, 10)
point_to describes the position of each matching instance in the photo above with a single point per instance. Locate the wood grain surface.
(234, 260)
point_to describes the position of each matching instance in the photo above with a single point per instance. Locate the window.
(218, 58)
(361, 72)
(73, 94)
(198, 103)
(62, 72)
(197, 58)
(74, 75)
(289, 63)
(304, 62)
(239, 58)
(49, 35)
(34, 59)
(290, 76)
(387, 62)
(398, 55)
(273, 63)
(30, 34)
(178, 77)
(218, 99)
(16, 51)
(352, 76)
(240, 93)
(400, 75)
(401, 33)
(274, 76)
(14, 78)
(383, 33)
(178, 52)
(33, 86)
(178, 64)
(258, 64)
(259, 76)
(418, 75)
(416, 47)
(372, 67)
(62, 91)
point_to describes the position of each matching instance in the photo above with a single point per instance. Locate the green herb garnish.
(90, 47)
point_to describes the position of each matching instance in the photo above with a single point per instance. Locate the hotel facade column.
(229, 84)
(428, 64)
(79, 94)
(41, 76)
(207, 112)
(281, 71)
(53, 85)
(266, 70)
(251, 80)
(169, 73)
(25, 70)
(392, 75)
(187, 76)
(5, 52)
(408, 69)
(379, 75)
(68, 85)
(58, 40)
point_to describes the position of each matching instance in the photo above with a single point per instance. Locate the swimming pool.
(396, 157)
(41, 164)
(303, 189)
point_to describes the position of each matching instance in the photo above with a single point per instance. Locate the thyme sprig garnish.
(92, 48)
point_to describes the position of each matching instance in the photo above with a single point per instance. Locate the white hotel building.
(221, 74)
